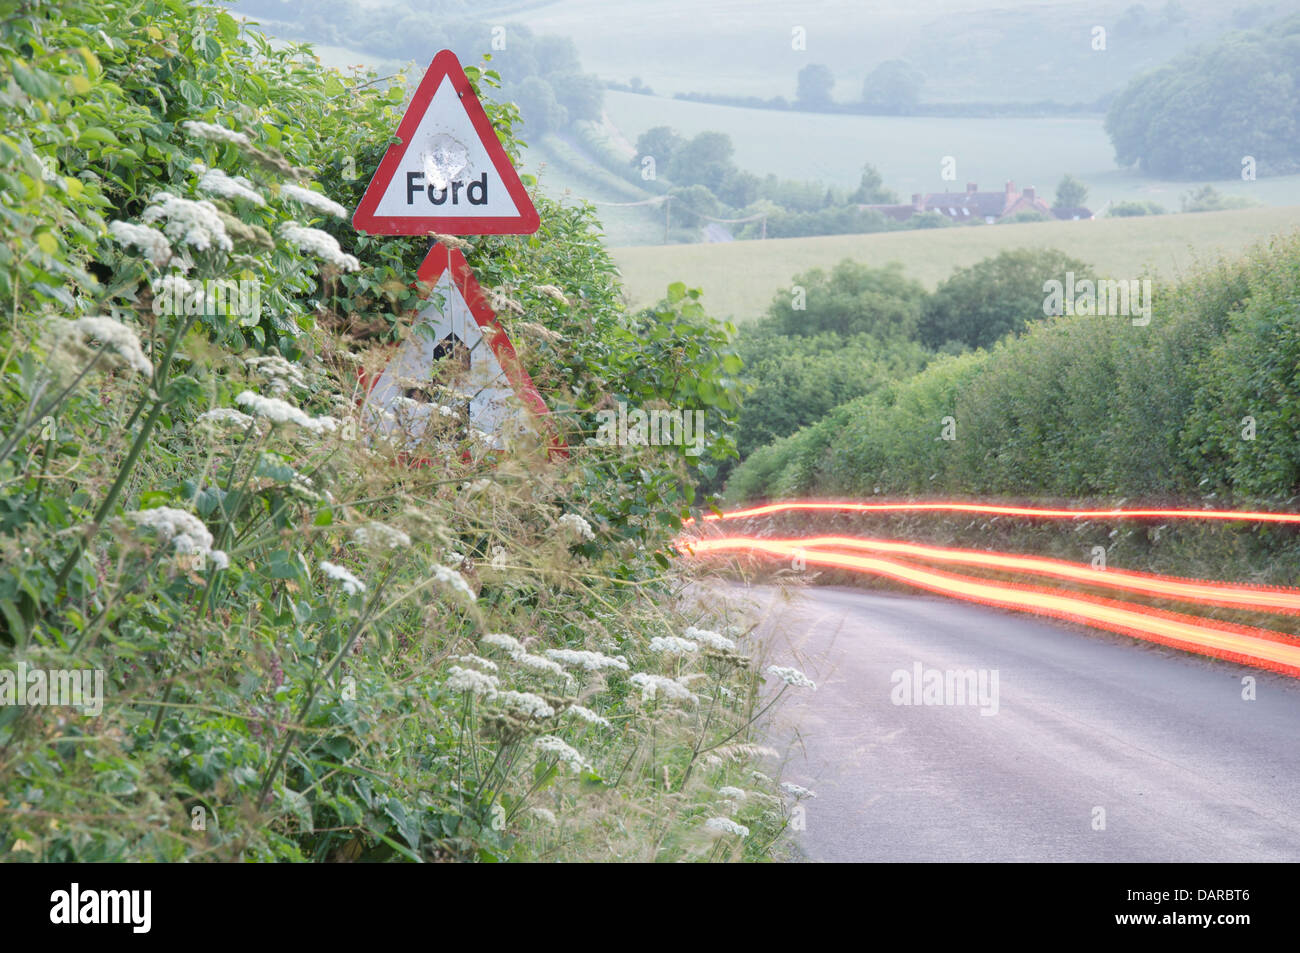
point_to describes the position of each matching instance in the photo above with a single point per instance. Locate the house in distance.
(976, 207)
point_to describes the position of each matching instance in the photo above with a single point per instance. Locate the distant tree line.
(1205, 112)
(706, 180)
(542, 74)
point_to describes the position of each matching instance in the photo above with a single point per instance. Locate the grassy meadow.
(739, 278)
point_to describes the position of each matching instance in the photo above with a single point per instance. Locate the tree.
(739, 188)
(815, 85)
(894, 85)
(582, 94)
(1135, 208)
(799, 380)
(1209, 199)
(871, 189)
(660, 143)
(538, 106)
(705, 160)
(995, 297)
(1200, 114)
(696, 198)
(1070, 192)
(554, 54)
(853, 299)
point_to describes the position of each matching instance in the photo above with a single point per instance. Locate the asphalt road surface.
(1100, 748)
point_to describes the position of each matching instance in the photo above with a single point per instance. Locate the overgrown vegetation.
(1199, 403)
(321, 638)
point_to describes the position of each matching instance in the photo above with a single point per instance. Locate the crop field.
(740, 278)
(909, 151)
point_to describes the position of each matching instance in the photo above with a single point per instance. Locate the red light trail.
(1228, 595)
(1262, 648)
(991, 509)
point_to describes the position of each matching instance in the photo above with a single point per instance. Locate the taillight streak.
(1225, 594)
(1253, 646)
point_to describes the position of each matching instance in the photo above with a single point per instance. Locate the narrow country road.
(1101, 749)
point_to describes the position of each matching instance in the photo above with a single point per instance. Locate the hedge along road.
(1095, 747)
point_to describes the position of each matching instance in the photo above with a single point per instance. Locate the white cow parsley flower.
(654, 685)
(799, 793)
(206, 130)
(591, 661)
(736, 794)
(579, 525)
(450, 577)
(149, 240)
(380, 536)
(487, 663)
(281, 374)
(549, 744)
(792, 676)
(351, 584)
(587, 715)
(672, 645)
(185, 531)
(319, 243)
(216, 182)
(526, 702)
(313, 200)
(470, 680)
(507, 643)
(114, 335)
(726, 825)
(280, 412)
(226, 417)
(713, 640)
(538, 664)
(194, 223)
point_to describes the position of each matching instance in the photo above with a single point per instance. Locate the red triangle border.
(445, 66)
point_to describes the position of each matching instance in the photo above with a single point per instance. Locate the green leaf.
(97, 134)
(228, 27)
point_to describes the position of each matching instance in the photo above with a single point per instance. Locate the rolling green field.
(566, 175)
(740, 278)
(908, 151)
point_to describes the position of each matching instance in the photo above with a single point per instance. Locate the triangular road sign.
(462, 327)
(448, 172)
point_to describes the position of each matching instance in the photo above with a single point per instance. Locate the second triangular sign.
(448, 172)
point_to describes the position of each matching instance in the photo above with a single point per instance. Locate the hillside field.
(1023, 50)
(740, 278)
(909, 150)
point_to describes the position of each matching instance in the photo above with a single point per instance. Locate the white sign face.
(447, 331)
(445, 170)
